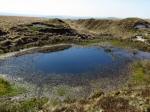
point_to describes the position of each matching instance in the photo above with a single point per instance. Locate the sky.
(77, 8)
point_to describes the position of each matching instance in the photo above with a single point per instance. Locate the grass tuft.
(6, 89)
(141, 73)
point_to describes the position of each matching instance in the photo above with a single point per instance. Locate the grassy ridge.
(117, 28)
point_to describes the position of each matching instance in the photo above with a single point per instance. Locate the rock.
(139, 38)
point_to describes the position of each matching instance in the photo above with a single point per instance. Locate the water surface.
(75, 66)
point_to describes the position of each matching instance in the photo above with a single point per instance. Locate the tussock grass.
(6, 89)
(29, 105)
(141, 73)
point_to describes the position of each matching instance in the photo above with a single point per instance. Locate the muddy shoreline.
(44, 49)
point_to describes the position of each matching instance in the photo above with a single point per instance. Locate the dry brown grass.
(118, 28)
(7, 22)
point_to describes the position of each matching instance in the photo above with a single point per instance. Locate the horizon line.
(64, 16)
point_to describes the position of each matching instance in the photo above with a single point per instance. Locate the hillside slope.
(35, 33)
(23, 32)
(124, 28)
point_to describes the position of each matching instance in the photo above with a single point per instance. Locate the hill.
(24, 32)
(124, 28)
(31, 32)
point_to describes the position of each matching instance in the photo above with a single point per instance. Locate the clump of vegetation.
(114, 104)
(141, 73)
(122, 43)
(13, 104)
(28, 105)
(6, 89)
(127, 43)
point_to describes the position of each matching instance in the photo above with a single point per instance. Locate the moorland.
(22, 35)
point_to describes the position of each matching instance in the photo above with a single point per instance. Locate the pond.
(76, 66)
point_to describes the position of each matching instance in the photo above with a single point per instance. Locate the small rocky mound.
(134, 23)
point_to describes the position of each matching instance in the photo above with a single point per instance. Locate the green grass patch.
(21, 105)
(6, 89)
(34, 28)
(118, 43)
(130, 44)
(88, 42)
(141, 73)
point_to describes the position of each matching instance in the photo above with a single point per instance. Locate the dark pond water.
(75, 66)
